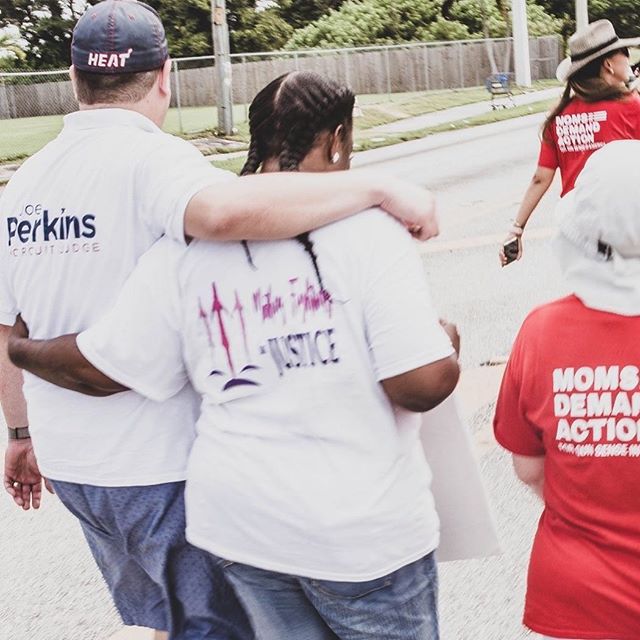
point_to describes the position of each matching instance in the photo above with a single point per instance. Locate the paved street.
(480, 176)
(49, 587)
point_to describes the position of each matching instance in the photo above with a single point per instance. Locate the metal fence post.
(460, 66)
(221, 50)
(245, 88)
(388, 71)
(425, 62)
(4, 111)
(176, 76)
(296, 62)
(347, 70)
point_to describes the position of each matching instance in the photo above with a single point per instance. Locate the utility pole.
(521, 43)
(582, 14)
(221, 50)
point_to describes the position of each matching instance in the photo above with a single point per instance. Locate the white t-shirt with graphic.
(74, 220)
(301, 465)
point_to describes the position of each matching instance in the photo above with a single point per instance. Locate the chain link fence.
(34, 102)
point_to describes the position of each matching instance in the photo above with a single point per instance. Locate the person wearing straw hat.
(569, 412)
(597, 107)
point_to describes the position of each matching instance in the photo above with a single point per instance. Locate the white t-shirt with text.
(74, 220)
(301, 465)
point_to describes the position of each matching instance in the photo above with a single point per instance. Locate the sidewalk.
(456, 114)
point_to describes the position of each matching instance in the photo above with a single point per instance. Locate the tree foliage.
(12, 53)
(625, 15)
(252, 29)
(362, 22)
(45, 26)
(187, 24)
(11, 47)
(299, 13)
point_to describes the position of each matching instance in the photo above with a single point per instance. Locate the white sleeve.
(8, 304)
(138, 342)
(403, 328)
(170, 176)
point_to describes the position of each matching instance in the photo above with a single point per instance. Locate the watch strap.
(21, 433)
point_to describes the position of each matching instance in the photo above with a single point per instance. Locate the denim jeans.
(156, 578)
(399, 606)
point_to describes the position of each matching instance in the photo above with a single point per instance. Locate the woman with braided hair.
(301, 122)
(307, 482)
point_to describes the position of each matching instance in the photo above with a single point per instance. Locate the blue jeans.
(399, 606)
(156, 578)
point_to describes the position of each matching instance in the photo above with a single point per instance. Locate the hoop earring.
(335, 158)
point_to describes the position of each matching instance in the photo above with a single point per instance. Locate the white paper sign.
(467, 527)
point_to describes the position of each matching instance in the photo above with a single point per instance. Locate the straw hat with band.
(589, 44)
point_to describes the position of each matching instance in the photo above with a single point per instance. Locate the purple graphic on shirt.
(240, 311)
(305, 344)
(310, 300)
(217, 308)
(269, 306)
(205, 318)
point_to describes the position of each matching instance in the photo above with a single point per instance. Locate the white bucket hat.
(598, 242)
(588, 44)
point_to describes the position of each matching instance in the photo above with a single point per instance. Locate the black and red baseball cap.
(119, 36)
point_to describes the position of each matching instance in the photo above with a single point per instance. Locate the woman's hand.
(516, 232)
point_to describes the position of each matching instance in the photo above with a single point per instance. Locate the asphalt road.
(479, 176)
(49, 587)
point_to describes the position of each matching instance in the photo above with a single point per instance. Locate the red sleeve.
(631, 107)
(548, 154)
(511, 427)
(637, 131)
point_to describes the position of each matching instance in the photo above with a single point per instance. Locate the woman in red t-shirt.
(569, 412)
(596, 108)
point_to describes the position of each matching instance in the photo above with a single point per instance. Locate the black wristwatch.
(21, 433)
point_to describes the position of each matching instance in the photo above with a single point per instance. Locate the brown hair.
(587, 85)
(99, 88)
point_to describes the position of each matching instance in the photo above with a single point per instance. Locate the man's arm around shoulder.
(275, 206)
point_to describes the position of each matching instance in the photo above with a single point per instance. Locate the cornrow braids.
(285, 120)
(253, 161)
(262, 127)
(260, 116)
(308, 105)
(305, 240)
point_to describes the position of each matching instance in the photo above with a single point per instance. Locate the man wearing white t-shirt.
(74, 220)
(302, 467)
